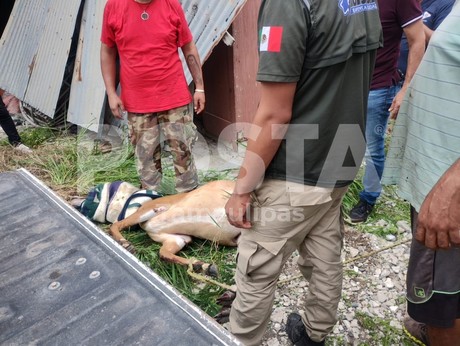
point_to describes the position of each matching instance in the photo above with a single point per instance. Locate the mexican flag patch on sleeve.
(271, 38)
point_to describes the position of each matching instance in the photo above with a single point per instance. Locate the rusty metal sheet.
(209, 20)
(88, 91)
(34, 49)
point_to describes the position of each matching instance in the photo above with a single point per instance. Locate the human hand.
(199, 101)
(396, 104)
(439, 218)
(236, 210)
(116, 106)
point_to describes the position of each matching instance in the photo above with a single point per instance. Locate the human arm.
(439, 217)
(275, 108)
(428, 33)
(108, 69)
(194, 65)
(416, 41)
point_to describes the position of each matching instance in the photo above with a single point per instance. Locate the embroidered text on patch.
(351, 7)
(271, 38)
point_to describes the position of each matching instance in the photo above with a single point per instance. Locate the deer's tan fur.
(174, 220)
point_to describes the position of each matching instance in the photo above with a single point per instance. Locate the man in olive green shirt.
(305, 146)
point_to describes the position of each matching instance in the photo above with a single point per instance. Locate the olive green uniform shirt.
(328, 48)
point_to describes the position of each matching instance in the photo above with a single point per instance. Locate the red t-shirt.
(394, 16)
(151, 75)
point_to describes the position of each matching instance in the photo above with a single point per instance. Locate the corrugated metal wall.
(88, 90)
(34, 49)
(209, 20)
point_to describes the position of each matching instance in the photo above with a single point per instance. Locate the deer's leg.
(172, 244)
(144, 213)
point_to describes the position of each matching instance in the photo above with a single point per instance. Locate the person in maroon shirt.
(386, 95)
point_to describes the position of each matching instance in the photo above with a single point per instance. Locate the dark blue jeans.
(379, 101)
(8, 126)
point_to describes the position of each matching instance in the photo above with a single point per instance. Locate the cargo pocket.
(260, 260)
(245, 252)
(191, 133)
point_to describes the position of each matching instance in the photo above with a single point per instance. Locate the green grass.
(351, 198)
(381, 332)
(35, 136)
(201, 293)
(388, 210)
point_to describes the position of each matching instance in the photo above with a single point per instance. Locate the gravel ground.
(373, 303)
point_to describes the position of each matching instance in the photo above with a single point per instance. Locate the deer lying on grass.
(173, 221)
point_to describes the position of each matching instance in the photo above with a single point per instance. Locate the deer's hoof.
(198, 266)
(223, 316)
(212, 271)
(128, 246)
(207, 269)
(226, 299)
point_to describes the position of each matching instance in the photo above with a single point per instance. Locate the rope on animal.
(203, 278)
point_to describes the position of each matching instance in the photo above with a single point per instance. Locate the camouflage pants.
(179, 133)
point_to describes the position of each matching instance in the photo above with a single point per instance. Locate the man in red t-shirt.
(145, 35)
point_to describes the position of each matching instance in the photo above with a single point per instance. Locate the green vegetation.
(202, 294)
(388, 210)
(381, 331)
(35, 136)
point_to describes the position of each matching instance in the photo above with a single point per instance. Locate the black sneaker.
(297, 333)
(361, 212)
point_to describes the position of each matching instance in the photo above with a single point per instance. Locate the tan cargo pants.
(179, 133)
(286, 219)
